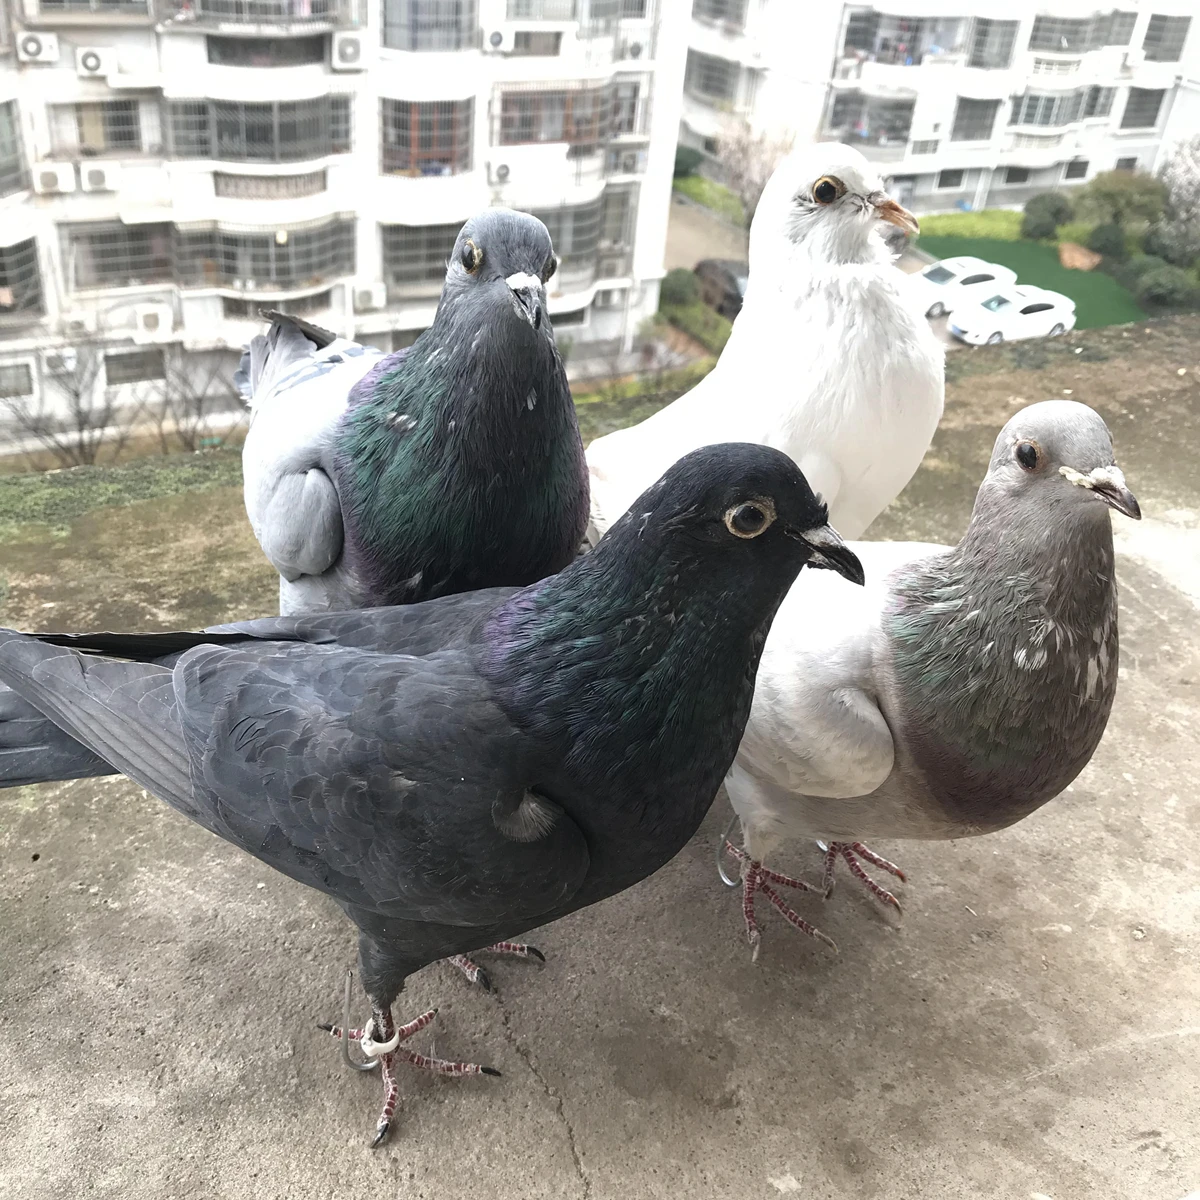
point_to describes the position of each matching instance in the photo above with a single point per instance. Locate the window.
(266, 52)
(1126, 164)
(1141, 109)
(992, 43)
(727, 12)
(575, 232)
(416, 255)
(104, 255)
(281, 131)
(1165, 37)
(577, 316)
(429, 24)
(925, 147)
(1099, 101)
(1030, 309)
(1051, 109)
(971, 280)
(542, 10)
(20, 281)
(1016, 175)
(134, 366)
(996, 303)
(13, 175)
(530, 44)
(633, 9)
(950, 179)
(279, 260)
(16, 379)
(1075, 35)
(268, 187)
(974, 120)
(855, 117)
(711, 78)
(431, 138)
(265, 12)
(104, 127)
(126, 7)
(625, 107)
(1076, 170)
(580, 116)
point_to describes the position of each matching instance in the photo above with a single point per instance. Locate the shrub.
(1173, 241)
(1108, 241)
(1168, 287)
(997, 223)
(1121, 198)
(1140, 264)
(687, 161)
(705, 324)
(1037, 225)
(1050, 204)
(679, 287)
(1074, 231)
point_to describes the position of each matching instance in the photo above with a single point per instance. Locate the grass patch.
(712, 195)
(699, 321)
(53, 499)
(1099, 299)
(997, 223)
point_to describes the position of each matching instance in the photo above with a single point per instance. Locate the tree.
(1121, 198)
(73, 414)
(1177, 236)
(747, 160)
(196, 397)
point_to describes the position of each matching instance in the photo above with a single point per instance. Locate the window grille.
(856, 117)
(542, 10)
(415, 256)
(1099, 101)
(1065, 35)
(1141, 109)
(1165, 37)
(274, 261)
(529, 43)
(1126, 164)
(114, 255)
(575, 231)
(992, 43)
(430, 24)
(137, 8)
(427, 138)
(925, 147)
(711, 78)
(134, 366)
(266, 52)
(265, 12)
(727, 12)
(1052, 109)
(20, 281)
(974, 120)
(280, 131)
(103, 127)
(268, 187)
(579, 115)
(14, 176)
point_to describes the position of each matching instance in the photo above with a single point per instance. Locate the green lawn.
(712, 195)
(1099, 299)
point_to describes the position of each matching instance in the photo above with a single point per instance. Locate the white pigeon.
(961, 688)
(829, 361)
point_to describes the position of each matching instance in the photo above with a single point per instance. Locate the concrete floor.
(1029, 1030)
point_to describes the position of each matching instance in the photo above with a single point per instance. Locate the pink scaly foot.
(476, 974)
(852, 852)
(380, 1039)
(757, 878)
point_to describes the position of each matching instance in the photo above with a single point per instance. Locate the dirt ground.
(1028, 1031)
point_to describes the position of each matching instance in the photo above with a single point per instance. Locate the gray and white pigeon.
(456, 772)
(963, 688)
(829, 361)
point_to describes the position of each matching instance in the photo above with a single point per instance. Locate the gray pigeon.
(960, 691)
(456, 772)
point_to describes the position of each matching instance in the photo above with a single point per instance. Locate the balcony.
(875, 40)
(877, 126)
(288, 16)
(421, 27)
(96, 12)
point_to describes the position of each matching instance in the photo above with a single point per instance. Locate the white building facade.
(169, 168)
(961, 104)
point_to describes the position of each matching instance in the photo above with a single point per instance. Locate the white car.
(948, 284)
(1012, 313)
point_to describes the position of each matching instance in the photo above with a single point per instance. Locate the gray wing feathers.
(34, 750)
(273, 354)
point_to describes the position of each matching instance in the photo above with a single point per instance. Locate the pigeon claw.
(476, 974)
(851, 852)
(755, 879)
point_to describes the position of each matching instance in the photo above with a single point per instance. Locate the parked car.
(722, 284)
(1012, 313)
(952, 282)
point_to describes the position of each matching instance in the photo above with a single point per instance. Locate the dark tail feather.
(122, 712)
(269, 356)
(139, 647)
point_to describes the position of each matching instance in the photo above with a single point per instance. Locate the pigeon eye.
(472, 256)
(750, 519)
(827, 189)
(549, 269)
(1027, 455)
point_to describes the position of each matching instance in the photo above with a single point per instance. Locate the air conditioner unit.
(631, 49)
(81, 324)
(370, 298)
(37, 48)
(100, 177)
(152, 323)
(498, 173)
(628, 162)
(95, 62)
(59, 362)
(499, 41)
(348, 52)
(51, 178)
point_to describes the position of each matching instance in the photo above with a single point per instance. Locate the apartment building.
(961, 104)
(168, 168)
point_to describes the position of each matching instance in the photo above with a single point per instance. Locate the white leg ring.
(373, 1049)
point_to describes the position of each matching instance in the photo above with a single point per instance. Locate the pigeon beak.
(886, 209)
(1107, 484)
(527, 291)
(830, 553)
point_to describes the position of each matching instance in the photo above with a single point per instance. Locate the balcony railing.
(543, 10)
(290, 14)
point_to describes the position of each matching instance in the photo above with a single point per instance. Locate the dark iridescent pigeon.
(963, 688)
(456, 772)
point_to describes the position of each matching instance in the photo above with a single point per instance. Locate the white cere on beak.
(523, 280)
(1111, 476)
